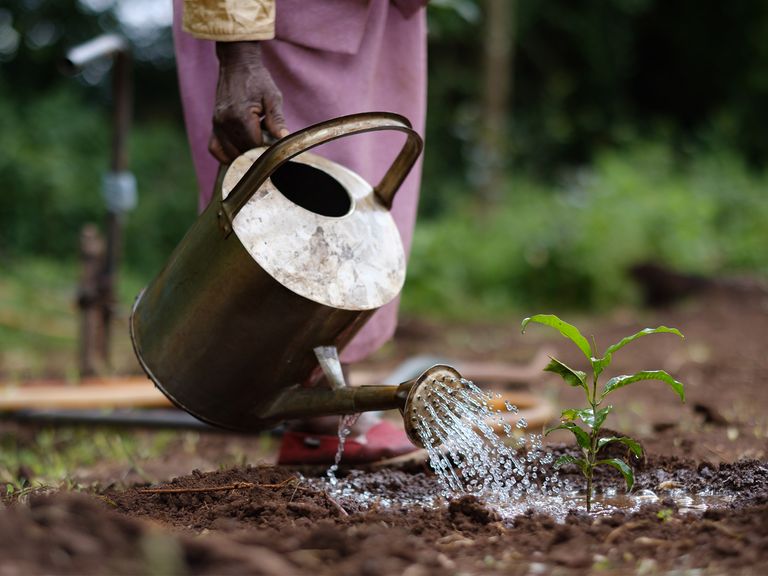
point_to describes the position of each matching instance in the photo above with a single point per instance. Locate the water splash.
(456, 422)
(473, 448)
(360, 490)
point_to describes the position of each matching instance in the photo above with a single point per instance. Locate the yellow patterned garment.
(230, 20)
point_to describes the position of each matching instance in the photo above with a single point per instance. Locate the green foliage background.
(571, 246)
(636, 134)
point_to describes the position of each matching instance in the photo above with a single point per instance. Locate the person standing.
(294, 63)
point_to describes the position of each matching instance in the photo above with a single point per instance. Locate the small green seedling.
(594, 416)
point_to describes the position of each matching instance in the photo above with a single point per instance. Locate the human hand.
(245, 93)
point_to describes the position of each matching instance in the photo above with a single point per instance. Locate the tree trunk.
(492, 161)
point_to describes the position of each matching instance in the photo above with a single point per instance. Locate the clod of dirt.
(68, 533)
(468, 509)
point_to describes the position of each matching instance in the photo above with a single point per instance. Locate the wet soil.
(262, 519)
(270, 520)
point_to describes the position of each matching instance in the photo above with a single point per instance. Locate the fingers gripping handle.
(301, 141)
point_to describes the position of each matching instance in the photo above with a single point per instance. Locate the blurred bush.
(570, 246)
(632, 138)
(46, 167)
(54, 155)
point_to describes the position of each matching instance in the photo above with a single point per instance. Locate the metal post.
(121, 120)
(88, 295)
(119, 191)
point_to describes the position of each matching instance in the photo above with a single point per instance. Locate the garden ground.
(243, 515)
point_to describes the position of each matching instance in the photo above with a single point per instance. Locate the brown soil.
(271, 520)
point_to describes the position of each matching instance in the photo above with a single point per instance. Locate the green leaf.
(621, 381)
(567, 330)
(587, 416)
(573, 377)
(623, 467)
(633, 445)
(566, 459)
(644, 332)
(582, 438)
(602, 414)
(599, 364)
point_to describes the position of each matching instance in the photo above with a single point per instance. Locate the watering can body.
(294, 253)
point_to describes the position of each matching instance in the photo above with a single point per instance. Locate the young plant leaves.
(623, 467)
(566, 459)
(645, 332)
(594, 416)
(621, 381)
(587, 416)
(570, 414)
(573, 377)
(600, 364)
(567, 330)
(582, 438)
(633, 445)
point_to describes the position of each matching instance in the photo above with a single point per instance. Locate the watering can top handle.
(298, 142)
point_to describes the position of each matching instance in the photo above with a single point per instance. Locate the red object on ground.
(381, 441)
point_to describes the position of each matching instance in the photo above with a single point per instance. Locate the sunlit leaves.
(623, 467)
(574, 378)
(582, 438)
(590, 418)
(567, 330)
(594, 416)
(620, 381)
(633, 445)
(599, 364)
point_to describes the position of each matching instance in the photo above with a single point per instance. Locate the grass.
(55, 457)
(39, 319)
(38, 338)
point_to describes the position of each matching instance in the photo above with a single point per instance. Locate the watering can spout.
(300, 402)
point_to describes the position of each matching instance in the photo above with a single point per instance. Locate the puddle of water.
(356, 490)
(613, 500)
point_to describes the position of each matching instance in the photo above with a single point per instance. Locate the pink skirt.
(329, 59)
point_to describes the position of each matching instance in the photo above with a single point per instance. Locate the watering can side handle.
(301, 141)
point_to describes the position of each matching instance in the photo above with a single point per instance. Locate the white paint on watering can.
(353, 262)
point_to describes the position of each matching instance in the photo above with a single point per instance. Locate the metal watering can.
(291, 256)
